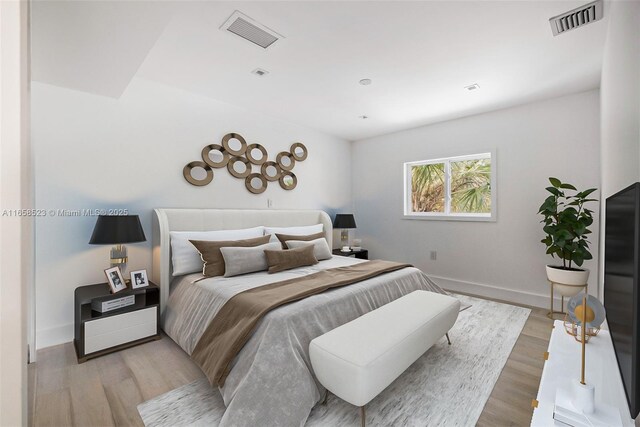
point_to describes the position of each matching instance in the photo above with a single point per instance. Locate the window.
(453, 188)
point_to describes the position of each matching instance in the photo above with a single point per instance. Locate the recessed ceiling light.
(364, 117)
(474, 86)
(365, 82)
(260, 72)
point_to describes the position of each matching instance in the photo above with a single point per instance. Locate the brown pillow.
(284, 237)
(292, 258)
(212, 257)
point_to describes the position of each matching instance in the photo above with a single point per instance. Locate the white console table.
(563, 366)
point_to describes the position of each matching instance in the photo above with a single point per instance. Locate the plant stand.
(551, 313)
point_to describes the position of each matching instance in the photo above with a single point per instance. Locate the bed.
(271, 381)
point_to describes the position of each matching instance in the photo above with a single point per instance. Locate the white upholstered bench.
(359, 359)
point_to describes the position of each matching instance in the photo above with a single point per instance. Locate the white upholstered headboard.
(166, 220)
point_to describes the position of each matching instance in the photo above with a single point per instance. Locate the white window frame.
(447, 215)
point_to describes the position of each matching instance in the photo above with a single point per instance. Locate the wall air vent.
(243, 26)
(575, 18)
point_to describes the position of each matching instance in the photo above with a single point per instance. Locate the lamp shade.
(344, 221)
(117, 229)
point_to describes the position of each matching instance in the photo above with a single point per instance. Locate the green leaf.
(568, 187)
(554, 191)
(555, 182)
(585, 193)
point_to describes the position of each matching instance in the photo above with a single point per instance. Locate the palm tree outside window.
(455, 187)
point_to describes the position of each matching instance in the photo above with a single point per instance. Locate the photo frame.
(139, 279)
(115, 279)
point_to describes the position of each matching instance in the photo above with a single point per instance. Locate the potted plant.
(566, 224)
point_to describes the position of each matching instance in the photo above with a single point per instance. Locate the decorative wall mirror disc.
(285, 160)
(198, 173)
(270, 170)
(234, 144)
(256, 183)
(239, 167)
(299, 151)
(256, 154)
(288, 180)
(215, 156)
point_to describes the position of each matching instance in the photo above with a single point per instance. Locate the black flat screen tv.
(621, 293)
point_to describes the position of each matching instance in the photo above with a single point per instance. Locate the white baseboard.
(495, 292)
(54, 336)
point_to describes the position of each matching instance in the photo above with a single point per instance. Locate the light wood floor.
(105, 391)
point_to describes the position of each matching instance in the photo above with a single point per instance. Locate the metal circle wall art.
(236, 168)
(251, 149)
(288, 180)
(298, 151)
(226, 143)
(270, 170)
(237, 156)
(222, 155)
(285, 160)
(256, 183)
(186, 171)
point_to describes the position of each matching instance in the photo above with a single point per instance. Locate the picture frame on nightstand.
(115, 279)
(139, 279)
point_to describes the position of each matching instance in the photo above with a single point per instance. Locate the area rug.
(447, 386)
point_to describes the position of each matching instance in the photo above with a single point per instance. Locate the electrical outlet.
(434, 255)
(269, 203)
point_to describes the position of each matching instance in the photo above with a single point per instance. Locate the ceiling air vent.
(575, 18)
(250, 30)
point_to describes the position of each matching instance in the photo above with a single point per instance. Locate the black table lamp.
(116, 230)
(345, 222)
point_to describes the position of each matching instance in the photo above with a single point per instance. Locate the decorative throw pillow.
(185, 258)
(320, 247)
(302, 230)
(284, 237)
(212, 257)
(241, 260)
(286, 260)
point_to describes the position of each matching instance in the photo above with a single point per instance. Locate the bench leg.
(448, 339)
(326, 396)
(362, 416)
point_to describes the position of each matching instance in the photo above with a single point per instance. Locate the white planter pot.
(564, 279)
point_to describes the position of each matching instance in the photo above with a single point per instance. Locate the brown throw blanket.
(233, 325)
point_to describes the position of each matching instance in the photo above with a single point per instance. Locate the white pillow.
(320, 247)
(303, 230)
(184, 256)
(239, 260)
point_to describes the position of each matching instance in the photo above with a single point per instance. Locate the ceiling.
(419, 54)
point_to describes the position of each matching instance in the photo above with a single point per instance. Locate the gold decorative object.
(254, 160)
(243, 144)
(581, 307)
(552, 284)
(232, 170)
(250, 180)
(208, 160)
(227, 156)
(186, 171)
(298, 151)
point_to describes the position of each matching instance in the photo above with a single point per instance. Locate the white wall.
(620, 103)
(98, 152)
(16, 249)
(502, 259)
(620, 98)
